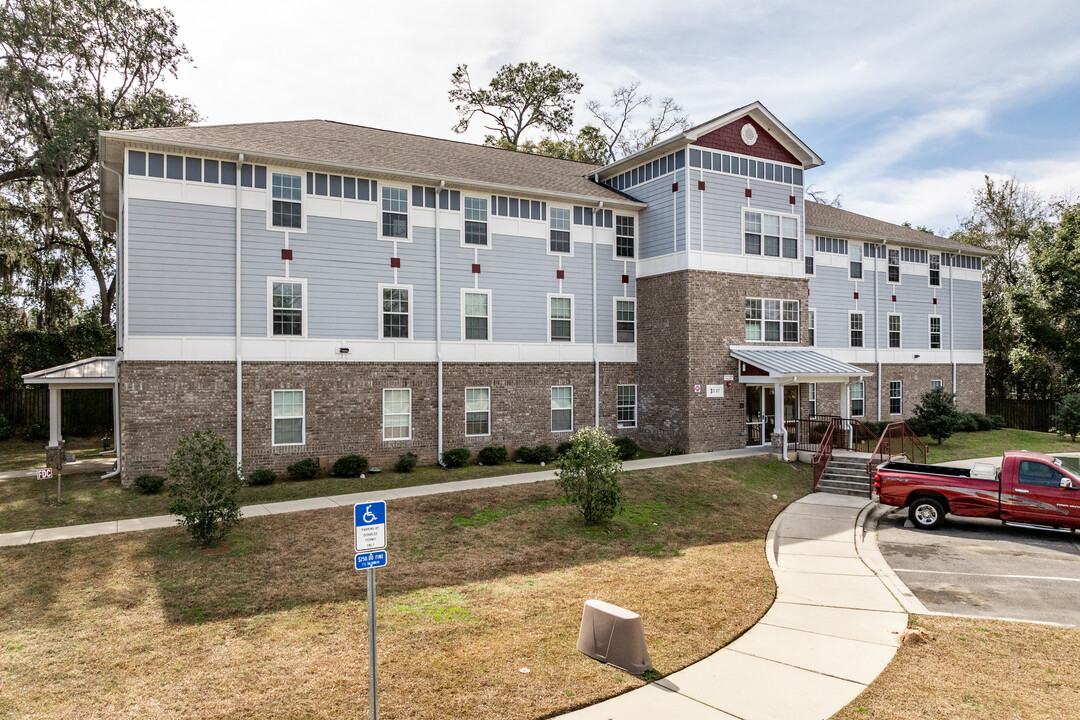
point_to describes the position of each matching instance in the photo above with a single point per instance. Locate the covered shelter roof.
(95, 372)
(778, 364)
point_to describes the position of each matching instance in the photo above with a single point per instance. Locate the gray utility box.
(613, 635)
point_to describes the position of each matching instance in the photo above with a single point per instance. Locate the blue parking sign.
(370, 522)
(371, 560)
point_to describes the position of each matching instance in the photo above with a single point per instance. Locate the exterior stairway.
(846, 475)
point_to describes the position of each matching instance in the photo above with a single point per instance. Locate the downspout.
(877, 333)
(952, 334)
(239, 355)
(595, 344)
(438, 321)
(120, 239)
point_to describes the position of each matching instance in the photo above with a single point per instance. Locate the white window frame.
(898, 266)
(851, 267)
(551, 399)
(549, 318)
(379, 311)
(409, 414)
(620, 423)
(938, 384)
(851, 399)
(547, 235)
(930, 272)
(899, 331)
(811, 398)
(780, 220)
(763, 321)
(408, 213)
(304, 307)
(615, 319)
(490, 325)
(465, 219)
(930, 330)
(811, 327)
(467, 411)
(862, 317)
(615, 245)
(303, 418)
(270, 195)
(899, 397)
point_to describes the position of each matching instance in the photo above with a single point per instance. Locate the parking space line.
(988, 575)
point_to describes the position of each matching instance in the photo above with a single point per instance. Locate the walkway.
(833, 628)
(28, 537)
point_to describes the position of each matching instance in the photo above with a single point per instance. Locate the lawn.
(977, 670)
(18, 454)
(991, 443)
(480, 584)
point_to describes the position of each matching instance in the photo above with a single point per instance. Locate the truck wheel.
(927, 513)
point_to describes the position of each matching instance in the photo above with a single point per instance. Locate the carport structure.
(91, 373)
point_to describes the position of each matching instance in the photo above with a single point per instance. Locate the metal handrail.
(823, 455)
(885, 447)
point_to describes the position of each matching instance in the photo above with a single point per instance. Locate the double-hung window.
(395, 212)
(287, 307)
(561, 322)
(935, 332)
(288, 417)
(856, 321)
(857, 402)
(811, 323)
(772, 320)
(894, 330)
(935, 271)
(562, 408)
(397, 413)
(894, 266)
(624, 236)
(478, 411)
(559, 218)
(476, 227)
(855, 270)
(753, 319)
(477, 311)
(626, 405)
(771, 235)
(752, 233)
(811, 398)
(624, 321)
(790, 332)
(286, 197)
(789, 237)
(935, 384)
(896, 397)
(396, 312)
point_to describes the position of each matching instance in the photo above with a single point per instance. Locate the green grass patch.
(440, 605)
(992, 443)
(18, 454)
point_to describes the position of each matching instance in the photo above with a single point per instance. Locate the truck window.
(1036, 473)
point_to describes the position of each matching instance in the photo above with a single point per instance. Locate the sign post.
(46, 474)
(369, 520)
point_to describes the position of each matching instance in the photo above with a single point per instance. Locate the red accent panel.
(729, 138)
(626, 279)
(894, 298)
(791, 199)
(700, 184)
(856, 294)
(749, 192)
(286, 254)
(748, 369)
(935, 301)
(674, 187)
(560, 274)
(395, 262)
(476, 269)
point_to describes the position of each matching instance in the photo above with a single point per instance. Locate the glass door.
(753, 415)
(768, 413)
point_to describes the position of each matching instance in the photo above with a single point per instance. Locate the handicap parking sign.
(370, 522)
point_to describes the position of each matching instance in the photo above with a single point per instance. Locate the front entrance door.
(760, 414)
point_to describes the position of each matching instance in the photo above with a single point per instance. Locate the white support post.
(54, 416)
(778, 418)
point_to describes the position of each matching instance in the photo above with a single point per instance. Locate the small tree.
(588, 475)
(204, 484)
(1067, 419)
(937, 415)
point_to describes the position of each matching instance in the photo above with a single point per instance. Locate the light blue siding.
(720, 211)
(969, 322)
(660, 233)
(261, 259)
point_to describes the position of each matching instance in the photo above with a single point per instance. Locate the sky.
(910, 104)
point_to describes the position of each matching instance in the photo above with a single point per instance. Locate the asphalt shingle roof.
(827, 219)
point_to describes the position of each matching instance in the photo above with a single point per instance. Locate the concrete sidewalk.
(28, 537)
(77, 467)
(833, 628)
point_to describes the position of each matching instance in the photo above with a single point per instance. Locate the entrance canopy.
(95, 372)
(760, 365)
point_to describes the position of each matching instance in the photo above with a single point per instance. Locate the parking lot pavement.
(984, 568)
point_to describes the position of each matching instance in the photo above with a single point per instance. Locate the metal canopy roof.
(91, 372)
(790, 363)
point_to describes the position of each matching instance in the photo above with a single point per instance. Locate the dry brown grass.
(975, 670)
(479, 585)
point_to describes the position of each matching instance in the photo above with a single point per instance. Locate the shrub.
(983, 421)
(627, 448)
(149, 484)
(936, 414)
(588, 475)
(492, 455)
(262, 477)
(406, 463)
(967, 423)
(672, 449)
(456, 458)
(37, 431)
(996, 422)
(525, 454)
(877, 426)
(5, 428)
(1067, 418)
(303, 469)
(543, 454)
(350, 466)
(204, 484)
(562, 447)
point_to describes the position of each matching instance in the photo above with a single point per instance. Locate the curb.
(867, 548)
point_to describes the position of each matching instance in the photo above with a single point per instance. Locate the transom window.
(894, 266)
(935, 271)
(624, 236)
(935, 332)
(287, 302)
(478, 411)
(562, 409)
(856, 320)
(626, 405)
(896, 397)
(560, 230)
(561, 318)
(395, 212)
(397, 413)
(395, 312)
(772, 320)
(477, 316)
(286, 194)
(476, 227)
(894, 330)
(857, 401)
(288, 417)
(624, 321)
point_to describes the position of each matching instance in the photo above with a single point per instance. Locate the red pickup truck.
(1030, 489)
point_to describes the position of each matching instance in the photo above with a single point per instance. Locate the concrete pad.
(650, 701)
(357, 498)
(13, 539)
(850, 591)
(838, 657)
(74, 531)
(819, 548)
(835, 512)
(157, 522)
(289, 506)
(823, 565)
(822, 498)
(755, 689)
(868, 626)
(813, 528)
(253, 511)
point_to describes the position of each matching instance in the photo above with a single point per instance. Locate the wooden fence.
(83, 412)
(1023, 414)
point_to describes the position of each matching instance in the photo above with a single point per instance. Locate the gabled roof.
(91, 371)
(829, 220)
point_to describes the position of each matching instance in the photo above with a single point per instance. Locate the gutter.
(120, 239)
(595, 339)
(877, 323)
(952, 332)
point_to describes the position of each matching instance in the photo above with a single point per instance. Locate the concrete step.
(855, 475)
(843, 489)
